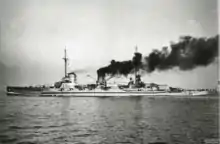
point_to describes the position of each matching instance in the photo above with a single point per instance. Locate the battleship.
(68, 86)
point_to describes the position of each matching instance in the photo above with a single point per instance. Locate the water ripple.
(25, 120)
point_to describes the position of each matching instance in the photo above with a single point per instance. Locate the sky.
(34, 33)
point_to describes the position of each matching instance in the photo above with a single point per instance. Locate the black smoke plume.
(121, 68)
(187, 54)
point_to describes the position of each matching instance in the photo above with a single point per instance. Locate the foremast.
(65, 62)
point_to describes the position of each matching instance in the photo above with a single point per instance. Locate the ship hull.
(24, 91)
(204, 93)
(47, 92)
(99, 94)
(56, 93)
(23, 94)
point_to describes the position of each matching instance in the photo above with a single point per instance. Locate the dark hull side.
(29, 91)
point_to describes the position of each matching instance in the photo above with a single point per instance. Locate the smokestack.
(74, 76)
(120, 68)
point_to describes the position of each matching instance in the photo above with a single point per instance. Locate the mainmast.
(136, 69)
(65, 61)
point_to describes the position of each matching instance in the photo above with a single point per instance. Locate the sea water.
(93, 120)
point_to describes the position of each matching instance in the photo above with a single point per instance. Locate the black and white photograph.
(109, 72)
